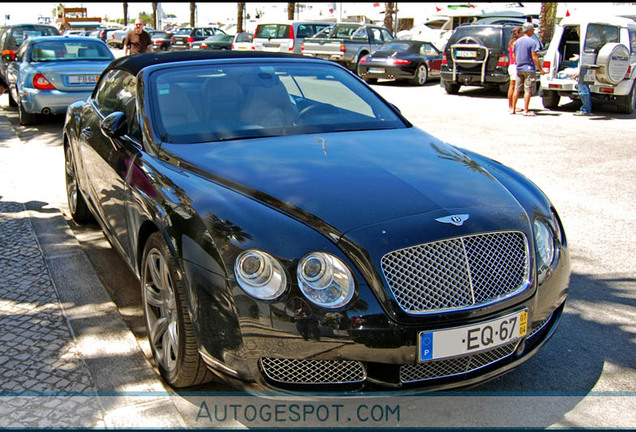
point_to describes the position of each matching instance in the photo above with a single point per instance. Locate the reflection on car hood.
(349, 180)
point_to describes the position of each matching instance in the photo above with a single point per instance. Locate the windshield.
(70, 50)
(203, 103)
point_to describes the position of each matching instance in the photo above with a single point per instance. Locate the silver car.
(286, 36)
(49, 73)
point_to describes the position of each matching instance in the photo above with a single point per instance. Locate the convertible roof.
(135, 63)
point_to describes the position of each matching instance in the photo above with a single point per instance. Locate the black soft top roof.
(135, 63)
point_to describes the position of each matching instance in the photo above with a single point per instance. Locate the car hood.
(348, 180)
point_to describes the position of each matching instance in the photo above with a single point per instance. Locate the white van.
(286, 36)
(609, 52)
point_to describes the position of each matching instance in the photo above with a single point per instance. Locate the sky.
(213, 12)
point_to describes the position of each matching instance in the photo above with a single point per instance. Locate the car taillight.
(190, 40)
(9, 52)
(444, 61)
(41, 83)
(343, 48)
(363, 60)
(159, 42)
(546, 66)
(397, 62)
(628, 74)
(504, 61)
(204, 45)
(291, 38)
(171, 40)
(232, 47)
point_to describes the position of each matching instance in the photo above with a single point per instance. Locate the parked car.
(106, 34)
(409, 60)
(346, 43)
(161, 40)
(286, 36)
(49, 73)
(477, 55)
(12, 37)
(609, 51)
(219, 41)
(243, 41)
(291, 229)
(183, 38)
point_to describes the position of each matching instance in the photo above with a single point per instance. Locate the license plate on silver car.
(473, 338)
(82, 79)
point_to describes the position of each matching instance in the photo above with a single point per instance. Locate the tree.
(154, 15)
(239, 17)
(389, 10)
(193, 9)
(125, 13)
(291, 6)
(547, 19)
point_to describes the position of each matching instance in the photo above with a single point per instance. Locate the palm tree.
(388, 16)
(154, 15)
(239, 17)
(547, 18)
(291, 6)
(125, 13)
(193, 8)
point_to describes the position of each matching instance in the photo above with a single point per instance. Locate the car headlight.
(325, 280)
(544, 243)
(260, 275)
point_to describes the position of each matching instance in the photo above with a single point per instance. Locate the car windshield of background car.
(69, 50)
(224, 102)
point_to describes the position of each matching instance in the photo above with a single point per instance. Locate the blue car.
(49, 73)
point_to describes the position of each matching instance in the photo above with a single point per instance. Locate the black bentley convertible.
(290, 229)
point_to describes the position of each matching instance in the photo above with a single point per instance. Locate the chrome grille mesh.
(298, 371)
(458, 273)
(455, 366)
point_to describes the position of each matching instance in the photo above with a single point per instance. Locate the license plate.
(589, 76)
(82, 79)
(473, 338)
(465, 54)
(180, 42)
(376, 70)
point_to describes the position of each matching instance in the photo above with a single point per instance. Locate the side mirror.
(115, 125)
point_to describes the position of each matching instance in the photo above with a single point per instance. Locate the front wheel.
(170, 331)
(421, 75)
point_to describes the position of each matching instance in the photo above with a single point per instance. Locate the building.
(76, 19)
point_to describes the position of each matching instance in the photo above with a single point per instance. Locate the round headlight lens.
(260, 275)
(325, 280)
(544, 243)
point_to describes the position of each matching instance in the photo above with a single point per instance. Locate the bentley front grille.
(458, 273)
(298, 371)
(456, 366)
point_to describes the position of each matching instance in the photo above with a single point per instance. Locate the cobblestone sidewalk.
(38, 355)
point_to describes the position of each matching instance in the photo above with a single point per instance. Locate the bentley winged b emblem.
(457, 220)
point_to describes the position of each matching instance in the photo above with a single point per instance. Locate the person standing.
(527, 59)
(138, 40)
(512, 68)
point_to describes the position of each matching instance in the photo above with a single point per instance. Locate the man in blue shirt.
(527, 59)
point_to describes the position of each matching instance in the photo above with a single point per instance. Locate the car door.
(106, 160)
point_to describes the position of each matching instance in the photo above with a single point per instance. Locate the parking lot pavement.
(58, 367)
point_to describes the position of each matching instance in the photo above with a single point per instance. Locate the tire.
(421, 75)
(12, 102)
(170, 330)
(550, 99)
(451, 88)
(626, 104)
(26, 119)
(76, 204)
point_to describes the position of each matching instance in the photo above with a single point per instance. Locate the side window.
(632, 40)
(387, 35)
(377, 35)
(598, 35)
(117, 92)
(20, 54)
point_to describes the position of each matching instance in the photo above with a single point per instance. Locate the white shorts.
(512, 71)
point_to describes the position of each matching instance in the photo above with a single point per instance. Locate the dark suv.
(182, 39)
(11, 37)
(477, 55)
